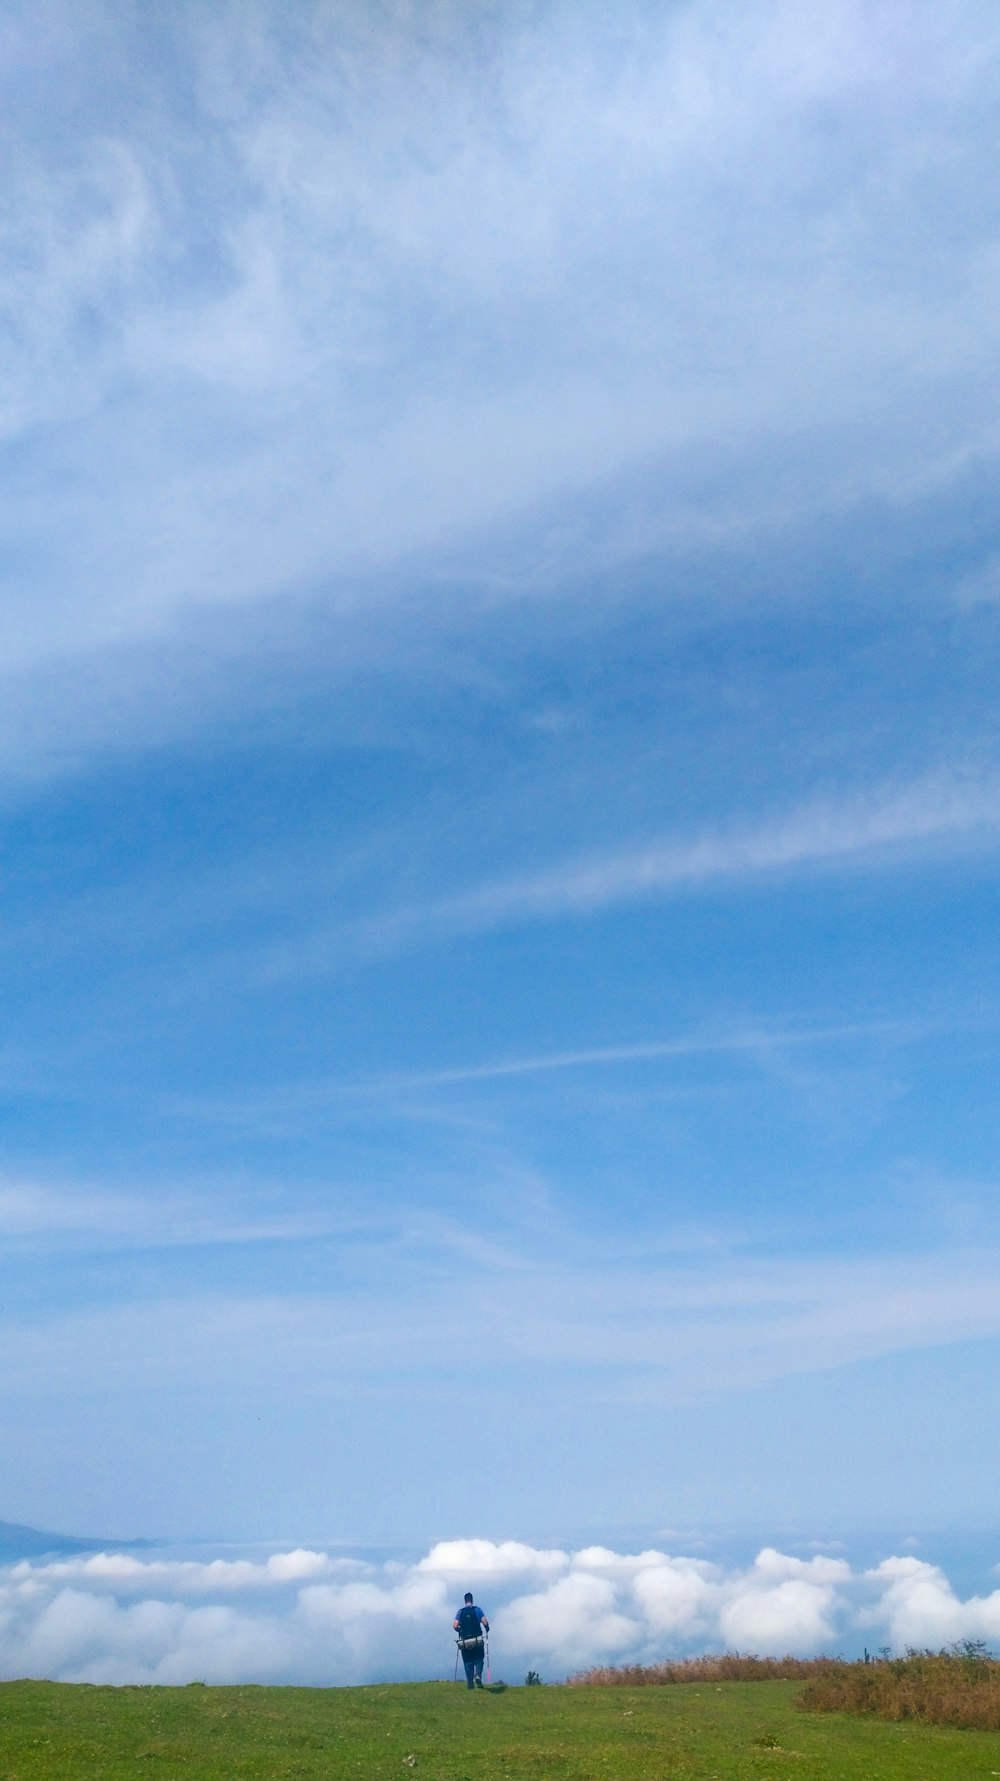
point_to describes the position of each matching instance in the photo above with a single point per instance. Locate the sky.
(499, 807)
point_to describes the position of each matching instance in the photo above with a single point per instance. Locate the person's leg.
(470, 1669)
(479, 1667)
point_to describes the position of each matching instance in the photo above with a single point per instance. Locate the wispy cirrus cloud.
(753, 1041)
(939, 811)
(641, 1320)
(563, 431)
(40, 1215)
(258, 334)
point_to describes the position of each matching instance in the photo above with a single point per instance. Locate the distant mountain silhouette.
(18, 1542)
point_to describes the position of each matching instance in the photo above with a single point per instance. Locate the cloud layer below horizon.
(312, 1617)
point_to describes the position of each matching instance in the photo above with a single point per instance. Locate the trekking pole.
(455, 1677)
(489, 1678)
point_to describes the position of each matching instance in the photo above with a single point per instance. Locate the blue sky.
(499, 771)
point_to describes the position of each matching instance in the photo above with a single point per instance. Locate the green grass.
(718, 1733)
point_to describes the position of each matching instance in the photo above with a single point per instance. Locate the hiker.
(470, 1623)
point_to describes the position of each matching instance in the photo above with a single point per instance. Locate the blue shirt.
(468, 1608)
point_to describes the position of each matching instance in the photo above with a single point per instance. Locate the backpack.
(470, 1632)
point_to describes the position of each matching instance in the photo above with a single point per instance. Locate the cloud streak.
(662, 1325)
(753, 1042)
(937, 812)
(42, 1216)
(304, 1616)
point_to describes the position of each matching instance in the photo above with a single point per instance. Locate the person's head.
(468, 1595)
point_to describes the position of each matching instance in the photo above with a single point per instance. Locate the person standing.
(471, 1624)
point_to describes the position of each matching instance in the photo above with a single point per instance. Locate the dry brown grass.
(960, 1687)
(729, 1667)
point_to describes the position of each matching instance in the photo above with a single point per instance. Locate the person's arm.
(484, 1622)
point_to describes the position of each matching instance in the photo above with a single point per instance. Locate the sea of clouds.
(314, 1617)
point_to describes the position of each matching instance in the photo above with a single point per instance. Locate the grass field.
(436, 1729)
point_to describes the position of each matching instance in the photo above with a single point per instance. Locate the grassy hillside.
(957, 1687)
(440, 1731)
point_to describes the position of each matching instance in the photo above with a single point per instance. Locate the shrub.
(728, 1666)
(532, 1679)
(957, 1687)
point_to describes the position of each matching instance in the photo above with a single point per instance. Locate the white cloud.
(122, 1573)
(573, 1621)
(454, 1559)
(309, 1617)
(334, 296)
(784, 1604)
(786, 1617)
(919, 1607)
(678, 1598)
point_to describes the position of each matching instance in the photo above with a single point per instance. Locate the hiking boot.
(479, 1682)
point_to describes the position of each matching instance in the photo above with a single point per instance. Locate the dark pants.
(472, 1657)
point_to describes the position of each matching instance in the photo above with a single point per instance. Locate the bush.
(532, 1679)
(958, 1687)
(729, 1666)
